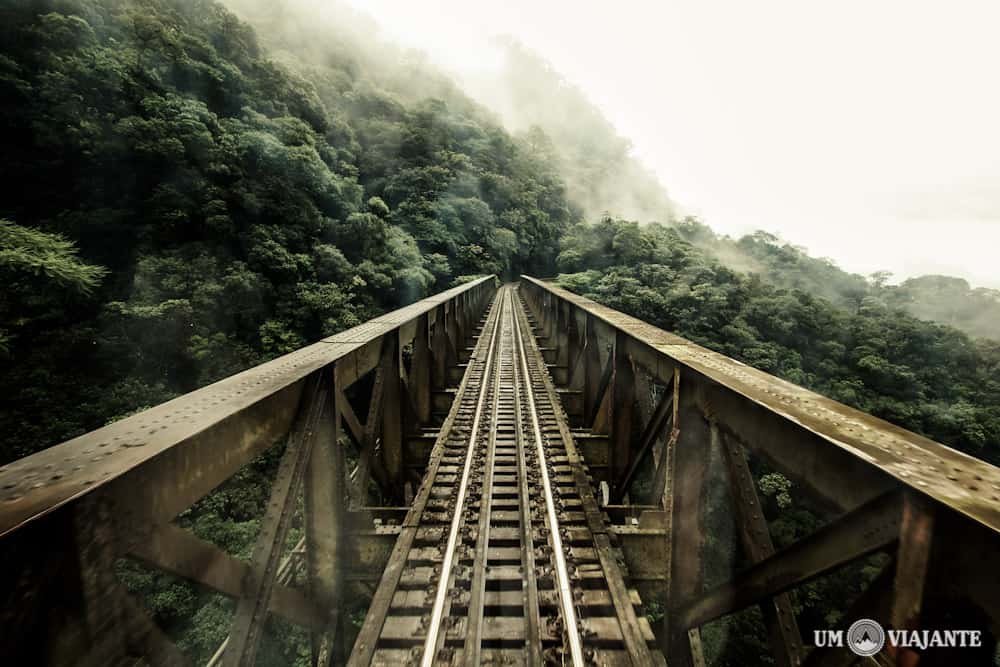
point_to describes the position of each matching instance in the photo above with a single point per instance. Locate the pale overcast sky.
(865, 131)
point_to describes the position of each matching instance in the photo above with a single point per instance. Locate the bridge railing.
(667, 405)
(69, 512)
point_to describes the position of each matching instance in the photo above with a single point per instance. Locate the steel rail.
(434, 627)
(474, 627)
(379, 609)
(532, 616)
(635, 643)
(214, 430)
(562, 574)
(801, 432)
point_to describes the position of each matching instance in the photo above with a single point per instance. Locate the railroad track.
(504, 557)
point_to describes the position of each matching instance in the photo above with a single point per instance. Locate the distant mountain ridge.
(603, 177)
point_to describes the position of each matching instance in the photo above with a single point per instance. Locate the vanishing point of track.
(504, 557)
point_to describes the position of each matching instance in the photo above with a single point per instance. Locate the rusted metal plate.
(221, 427)
(962, 482)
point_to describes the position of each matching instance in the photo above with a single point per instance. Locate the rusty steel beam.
(782, 628)
(176, 551)
(324, 500)
(419, 385)
(912, 560)
(665, 466)
(800, 432)
(623, 414)
(686, 534)
(369, 438)
(603, 404)
(252, 608)
(439, 349)
(658, 422)
(869, 528)
(593, 373)
(391, 431)
(354, 425)
(148, 459)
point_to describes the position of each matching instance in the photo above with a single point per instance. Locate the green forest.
(192, 191)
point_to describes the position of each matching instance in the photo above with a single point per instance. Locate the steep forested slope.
(943, 299)
(183, 202)
(602, 175)
(924, 376)
(238, 208)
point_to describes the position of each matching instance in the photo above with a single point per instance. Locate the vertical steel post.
(686, 531)
(782, 628)
(324, 495)
(915, 536)
(392, 416)
(439, 348)
(420, 372)
(592, 371)
(622, 412)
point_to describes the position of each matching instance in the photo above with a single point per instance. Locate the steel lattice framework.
(543, 466)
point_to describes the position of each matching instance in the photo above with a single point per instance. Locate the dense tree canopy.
(238, 207)
(186, 199)
(943, 299)
(181, 205)
(927, 377)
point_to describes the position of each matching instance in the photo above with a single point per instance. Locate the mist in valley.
(193, 193)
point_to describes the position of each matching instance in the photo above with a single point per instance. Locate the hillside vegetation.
(231, 209)
(926, 377)
(941, 299)
(187, 198)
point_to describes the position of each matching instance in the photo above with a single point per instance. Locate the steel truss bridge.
(542, 466)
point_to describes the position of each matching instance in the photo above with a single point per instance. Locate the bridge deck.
(504, 557)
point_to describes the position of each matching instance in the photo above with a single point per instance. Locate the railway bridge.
(506, 475)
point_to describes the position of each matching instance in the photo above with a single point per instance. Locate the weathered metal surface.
(176, 551)
(657, 423)
(686, 537)
(779, 617)
(964, 483)
(623, 417)
(504, 556)
(252, 608)
(177, 444)
(869, 528)
(324, 500)
(915, 536)
(391, 433)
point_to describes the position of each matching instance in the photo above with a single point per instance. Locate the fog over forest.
(196, 187)
(862, 133)
(605, 173)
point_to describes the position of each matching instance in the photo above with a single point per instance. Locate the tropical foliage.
(186, 199)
